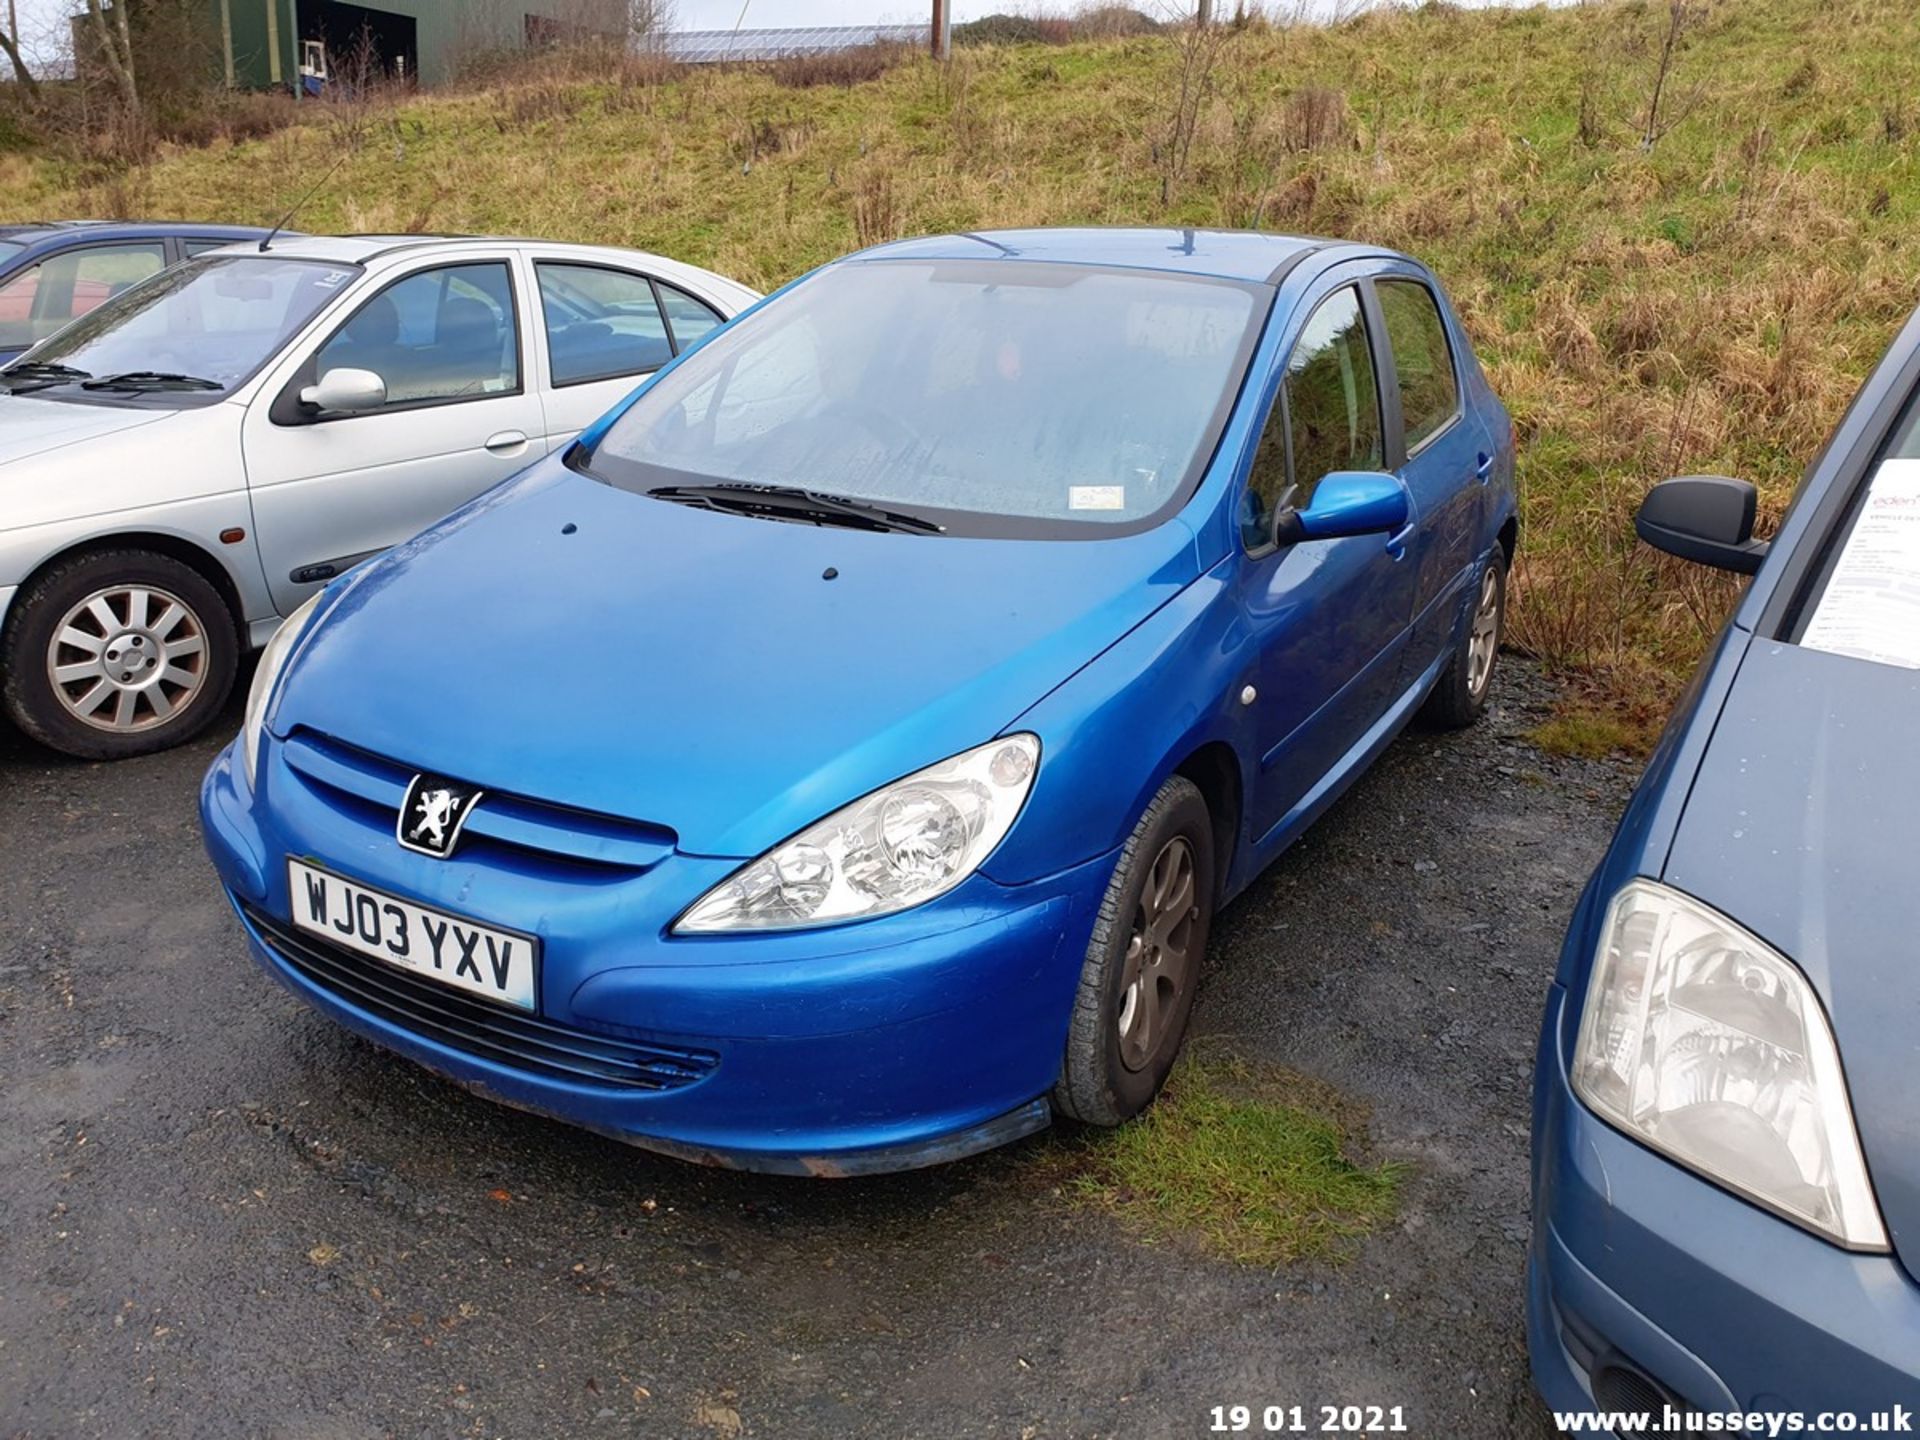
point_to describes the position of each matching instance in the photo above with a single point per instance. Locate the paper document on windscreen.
(1871, 607)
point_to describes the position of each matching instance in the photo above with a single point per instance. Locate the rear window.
(1428, 396)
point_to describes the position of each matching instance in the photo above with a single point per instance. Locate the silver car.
(184, 465)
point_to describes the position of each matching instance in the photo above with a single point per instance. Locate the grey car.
(185, 464)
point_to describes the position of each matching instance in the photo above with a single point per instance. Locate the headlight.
(1707, 1044)
(271, 660)
(900, 846)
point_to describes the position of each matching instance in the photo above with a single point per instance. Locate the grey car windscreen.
(201, 327)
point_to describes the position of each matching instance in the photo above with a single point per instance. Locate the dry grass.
(1704, 304)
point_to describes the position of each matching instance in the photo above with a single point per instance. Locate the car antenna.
(301, 203)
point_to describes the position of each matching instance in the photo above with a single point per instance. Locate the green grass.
(1590, 734)
(1254, 1166)
(1705, 305)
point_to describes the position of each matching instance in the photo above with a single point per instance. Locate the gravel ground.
(221, 1216)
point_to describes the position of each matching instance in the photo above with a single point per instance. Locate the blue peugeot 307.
(832, 761)
(1727, 1113)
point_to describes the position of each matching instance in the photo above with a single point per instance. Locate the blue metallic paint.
(904, 1039)
(1782, 794)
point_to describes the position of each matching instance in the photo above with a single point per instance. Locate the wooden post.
(226, 38)
(942, 28)
(273, 46)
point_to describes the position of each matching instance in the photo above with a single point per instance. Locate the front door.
(461, 415)
(1328, 617)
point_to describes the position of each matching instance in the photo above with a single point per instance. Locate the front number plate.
(456, 951)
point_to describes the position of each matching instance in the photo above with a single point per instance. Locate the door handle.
(507, 441)
(1484, 470)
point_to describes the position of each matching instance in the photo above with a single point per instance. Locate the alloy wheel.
(1160, 953)
(1484, 642)
(128, 658)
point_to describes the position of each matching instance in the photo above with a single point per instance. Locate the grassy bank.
(1705, 302)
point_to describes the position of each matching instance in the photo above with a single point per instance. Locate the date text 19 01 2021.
(1309, 1420)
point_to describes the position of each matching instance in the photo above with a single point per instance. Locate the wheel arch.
(1214, 769)
(175, 547)
(1510, 538)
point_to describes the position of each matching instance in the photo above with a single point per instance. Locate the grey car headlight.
(901, 846)
(1704, 1042)
(273, 659)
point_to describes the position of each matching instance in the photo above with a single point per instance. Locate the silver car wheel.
(1159, 961)
(128, 658)
(1484, 642)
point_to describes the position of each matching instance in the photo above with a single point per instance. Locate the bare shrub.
(1316, 118)
(1012, 30)
(1112, 22)
(856, 66)
(1667, 107)
(876, 218)
(1199, 47)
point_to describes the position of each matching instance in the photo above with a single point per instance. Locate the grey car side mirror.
(1704, 518)
(345, 391)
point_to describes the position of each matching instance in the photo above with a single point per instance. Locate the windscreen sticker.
(332, 279)
(1096, 497)
(1871, 608)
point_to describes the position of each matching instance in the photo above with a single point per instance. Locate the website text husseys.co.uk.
(1770, 1423)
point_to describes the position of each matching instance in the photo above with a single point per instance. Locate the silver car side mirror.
(346, 390)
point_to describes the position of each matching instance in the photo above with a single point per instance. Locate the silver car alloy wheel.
(128, 658)
(1484, 642)
(1159, 961)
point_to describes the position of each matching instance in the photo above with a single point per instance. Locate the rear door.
(1443, 452)
(1329, 617)
(603, 329)
(450, 338)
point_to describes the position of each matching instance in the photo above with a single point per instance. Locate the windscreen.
(217, 318)
(1027, 394)
(1867, 601)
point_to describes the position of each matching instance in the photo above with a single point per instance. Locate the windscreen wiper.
(151, 380)
(38, 374)
(789, 502)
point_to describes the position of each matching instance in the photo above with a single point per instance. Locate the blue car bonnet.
(628, 656)
(1802, 825)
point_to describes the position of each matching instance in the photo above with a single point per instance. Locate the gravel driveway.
(221, 1216)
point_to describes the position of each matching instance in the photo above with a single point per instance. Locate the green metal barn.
(270, 43)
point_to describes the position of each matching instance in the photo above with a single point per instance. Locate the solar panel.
(707, 47)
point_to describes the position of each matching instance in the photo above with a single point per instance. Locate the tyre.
(117, 653)
(1460, 694)
(1143, 963)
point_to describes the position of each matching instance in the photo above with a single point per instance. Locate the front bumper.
(1637, 1260)
(883, 1045)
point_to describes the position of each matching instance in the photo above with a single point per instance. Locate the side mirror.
(346, 391)
(1704, 518)
(1347, 502)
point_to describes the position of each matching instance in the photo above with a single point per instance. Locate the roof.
(706, 47)
(37, 232)
(1232, 254)
(351, 249)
